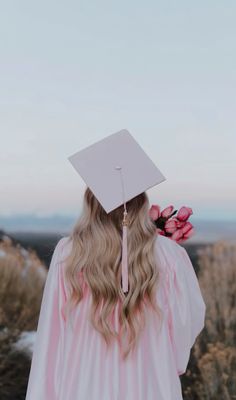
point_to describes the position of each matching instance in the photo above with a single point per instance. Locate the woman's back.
(73, 362)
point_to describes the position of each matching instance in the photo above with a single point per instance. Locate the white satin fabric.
(73, 364)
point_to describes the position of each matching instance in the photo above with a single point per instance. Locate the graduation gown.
(73, 364)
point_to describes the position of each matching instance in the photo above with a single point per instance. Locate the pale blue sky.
(72, 72)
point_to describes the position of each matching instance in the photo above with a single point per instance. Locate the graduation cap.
(116, 169)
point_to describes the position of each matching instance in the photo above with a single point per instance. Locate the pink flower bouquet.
(177, 228)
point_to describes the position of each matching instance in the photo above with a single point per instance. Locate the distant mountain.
(33, 223)
(210, 231)
(205, 230)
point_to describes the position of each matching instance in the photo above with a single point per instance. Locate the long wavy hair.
(96, 253)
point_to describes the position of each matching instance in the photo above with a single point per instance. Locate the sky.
(73, 72)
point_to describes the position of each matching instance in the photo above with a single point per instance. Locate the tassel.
(124, 270)
(124, 255)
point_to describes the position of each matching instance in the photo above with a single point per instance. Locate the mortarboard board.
(117, 169)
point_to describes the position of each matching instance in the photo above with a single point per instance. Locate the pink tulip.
(187, 227)
(154, 212)
(180, 224)
(177, 227)
(180, 235)
(177, 235)
(184, 213)
(188, 234)
(167, 211)
(171, 225)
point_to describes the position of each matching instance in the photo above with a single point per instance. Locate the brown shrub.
(22, 279)
(211, 374)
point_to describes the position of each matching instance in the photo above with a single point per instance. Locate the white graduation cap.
(116, 169)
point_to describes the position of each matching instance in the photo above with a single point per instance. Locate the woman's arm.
(186, 308)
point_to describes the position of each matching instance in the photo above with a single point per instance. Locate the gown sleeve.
(186, 310)
(43, 378)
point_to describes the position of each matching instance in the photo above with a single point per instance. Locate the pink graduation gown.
(72, 364)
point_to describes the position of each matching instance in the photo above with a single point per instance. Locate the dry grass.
(212, 371)
(22, 278)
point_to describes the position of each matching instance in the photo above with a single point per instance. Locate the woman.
(96, 342)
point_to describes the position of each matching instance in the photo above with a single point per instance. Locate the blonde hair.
(96, 250)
